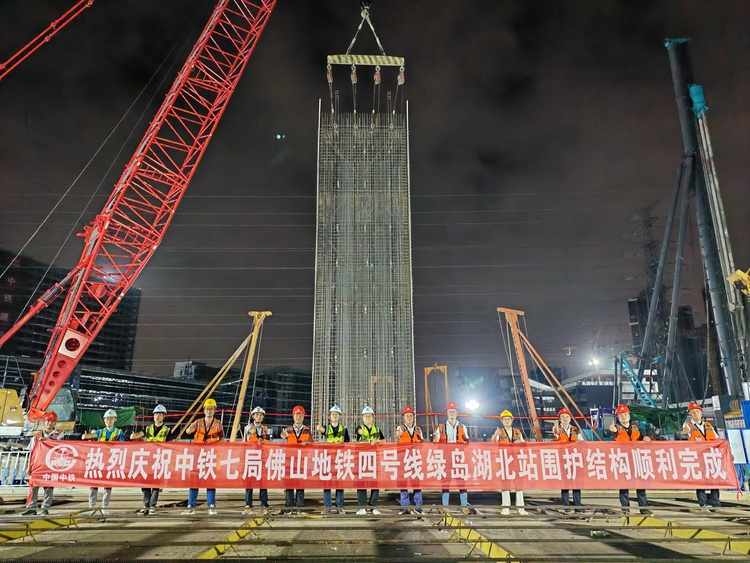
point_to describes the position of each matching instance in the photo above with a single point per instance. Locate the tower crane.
(122, 238)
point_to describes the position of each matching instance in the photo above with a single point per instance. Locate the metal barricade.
(14, 467)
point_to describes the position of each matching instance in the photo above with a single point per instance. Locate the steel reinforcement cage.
(363, 343)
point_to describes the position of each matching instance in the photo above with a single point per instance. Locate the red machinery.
(123, 237)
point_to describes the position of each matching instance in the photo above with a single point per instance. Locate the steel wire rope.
(74, 227)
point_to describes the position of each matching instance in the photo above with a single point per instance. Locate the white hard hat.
(367, 410)
(110, 412)
(258, 409)
(335, 408)
(160, 408)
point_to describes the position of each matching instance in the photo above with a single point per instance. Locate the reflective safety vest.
(695, 434)
(42, 435)
(368, 434)
(214, 433)
(335, 437)
(159, 436)
(260, 432)
(292, 438)
(113, 437)
(515, 436)
(563, 435)
(461, 433)
(629, 434)
(405, 436)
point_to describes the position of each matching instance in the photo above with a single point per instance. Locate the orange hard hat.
(564, 411)
(694, 405)
(50, 416)
(451, 405)
(407, 410)
(298, 410)
(622, 409)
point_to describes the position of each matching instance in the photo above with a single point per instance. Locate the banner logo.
(61, 458)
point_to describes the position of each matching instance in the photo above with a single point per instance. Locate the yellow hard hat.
(209, 403)
(505, 413)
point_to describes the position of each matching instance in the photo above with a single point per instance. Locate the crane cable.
(74, 227)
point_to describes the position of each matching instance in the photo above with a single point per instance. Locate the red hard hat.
(451, 405)
(50, 416)
(564, 411)
(621, 409)
(298, 410)
(694, 405)
(407, 410)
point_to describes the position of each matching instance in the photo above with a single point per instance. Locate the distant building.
(25, 281)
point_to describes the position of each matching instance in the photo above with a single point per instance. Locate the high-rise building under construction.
(363, 350)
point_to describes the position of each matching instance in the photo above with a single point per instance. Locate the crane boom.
(123, 237)
(43, 37)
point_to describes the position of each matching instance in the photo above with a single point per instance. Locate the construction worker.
(48, 432)
(368, 433)
(624, 430)
(156, 432)
(507, 434)
(453, 432)
(405, 433)
(564, 431)
(297, 433)
(107, 434)
(698, 430)
(257, 433)
(207, 430)
(334, 433)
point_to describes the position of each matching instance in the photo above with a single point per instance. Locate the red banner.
(478, 466)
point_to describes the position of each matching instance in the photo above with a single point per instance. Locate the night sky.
(539, 130)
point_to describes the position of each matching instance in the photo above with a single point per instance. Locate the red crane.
(122, 238)
(44, 36)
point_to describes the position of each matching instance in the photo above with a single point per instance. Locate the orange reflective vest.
(563, 435)
(695, 434)
(504, 438)
(461, 434)
(260, 432)
(629, 434)
(294, 438)
(214, 433)
(405, 436)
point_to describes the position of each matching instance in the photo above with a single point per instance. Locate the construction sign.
(480, 466)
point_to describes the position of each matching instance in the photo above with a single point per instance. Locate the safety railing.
(14, 467)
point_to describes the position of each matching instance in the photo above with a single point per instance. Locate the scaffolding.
(363, 347)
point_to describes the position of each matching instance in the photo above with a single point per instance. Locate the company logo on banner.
(480, 466)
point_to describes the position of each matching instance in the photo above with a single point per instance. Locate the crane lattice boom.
(123, 237)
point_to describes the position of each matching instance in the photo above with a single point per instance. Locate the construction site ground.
(676, 531)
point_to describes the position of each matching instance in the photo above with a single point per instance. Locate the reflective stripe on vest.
(336, 437)
(114, 437)
(406, 436)
(368, 434)
(695, 434)
(563, 436)
(515, 436)
(203, 437)
(624, 436)
(160, 436)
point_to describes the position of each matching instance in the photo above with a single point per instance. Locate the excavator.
(123, 237)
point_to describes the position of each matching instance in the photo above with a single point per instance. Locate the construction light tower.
(363, 343)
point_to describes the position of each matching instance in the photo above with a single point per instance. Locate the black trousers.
(576, 497)
(625, 497)
(151, 497)
(292, 496)
(712, 500)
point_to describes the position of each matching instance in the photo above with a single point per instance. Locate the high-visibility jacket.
(695, 434)
(293, 438)
(214, 433)
(105, 436)
(515, 436)
(42, 435)
(335, 436)
(461, 433)
(369, 434)
(627, 434)
(260, 432)
(156, 435)
(564, 437)
(406, 436)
